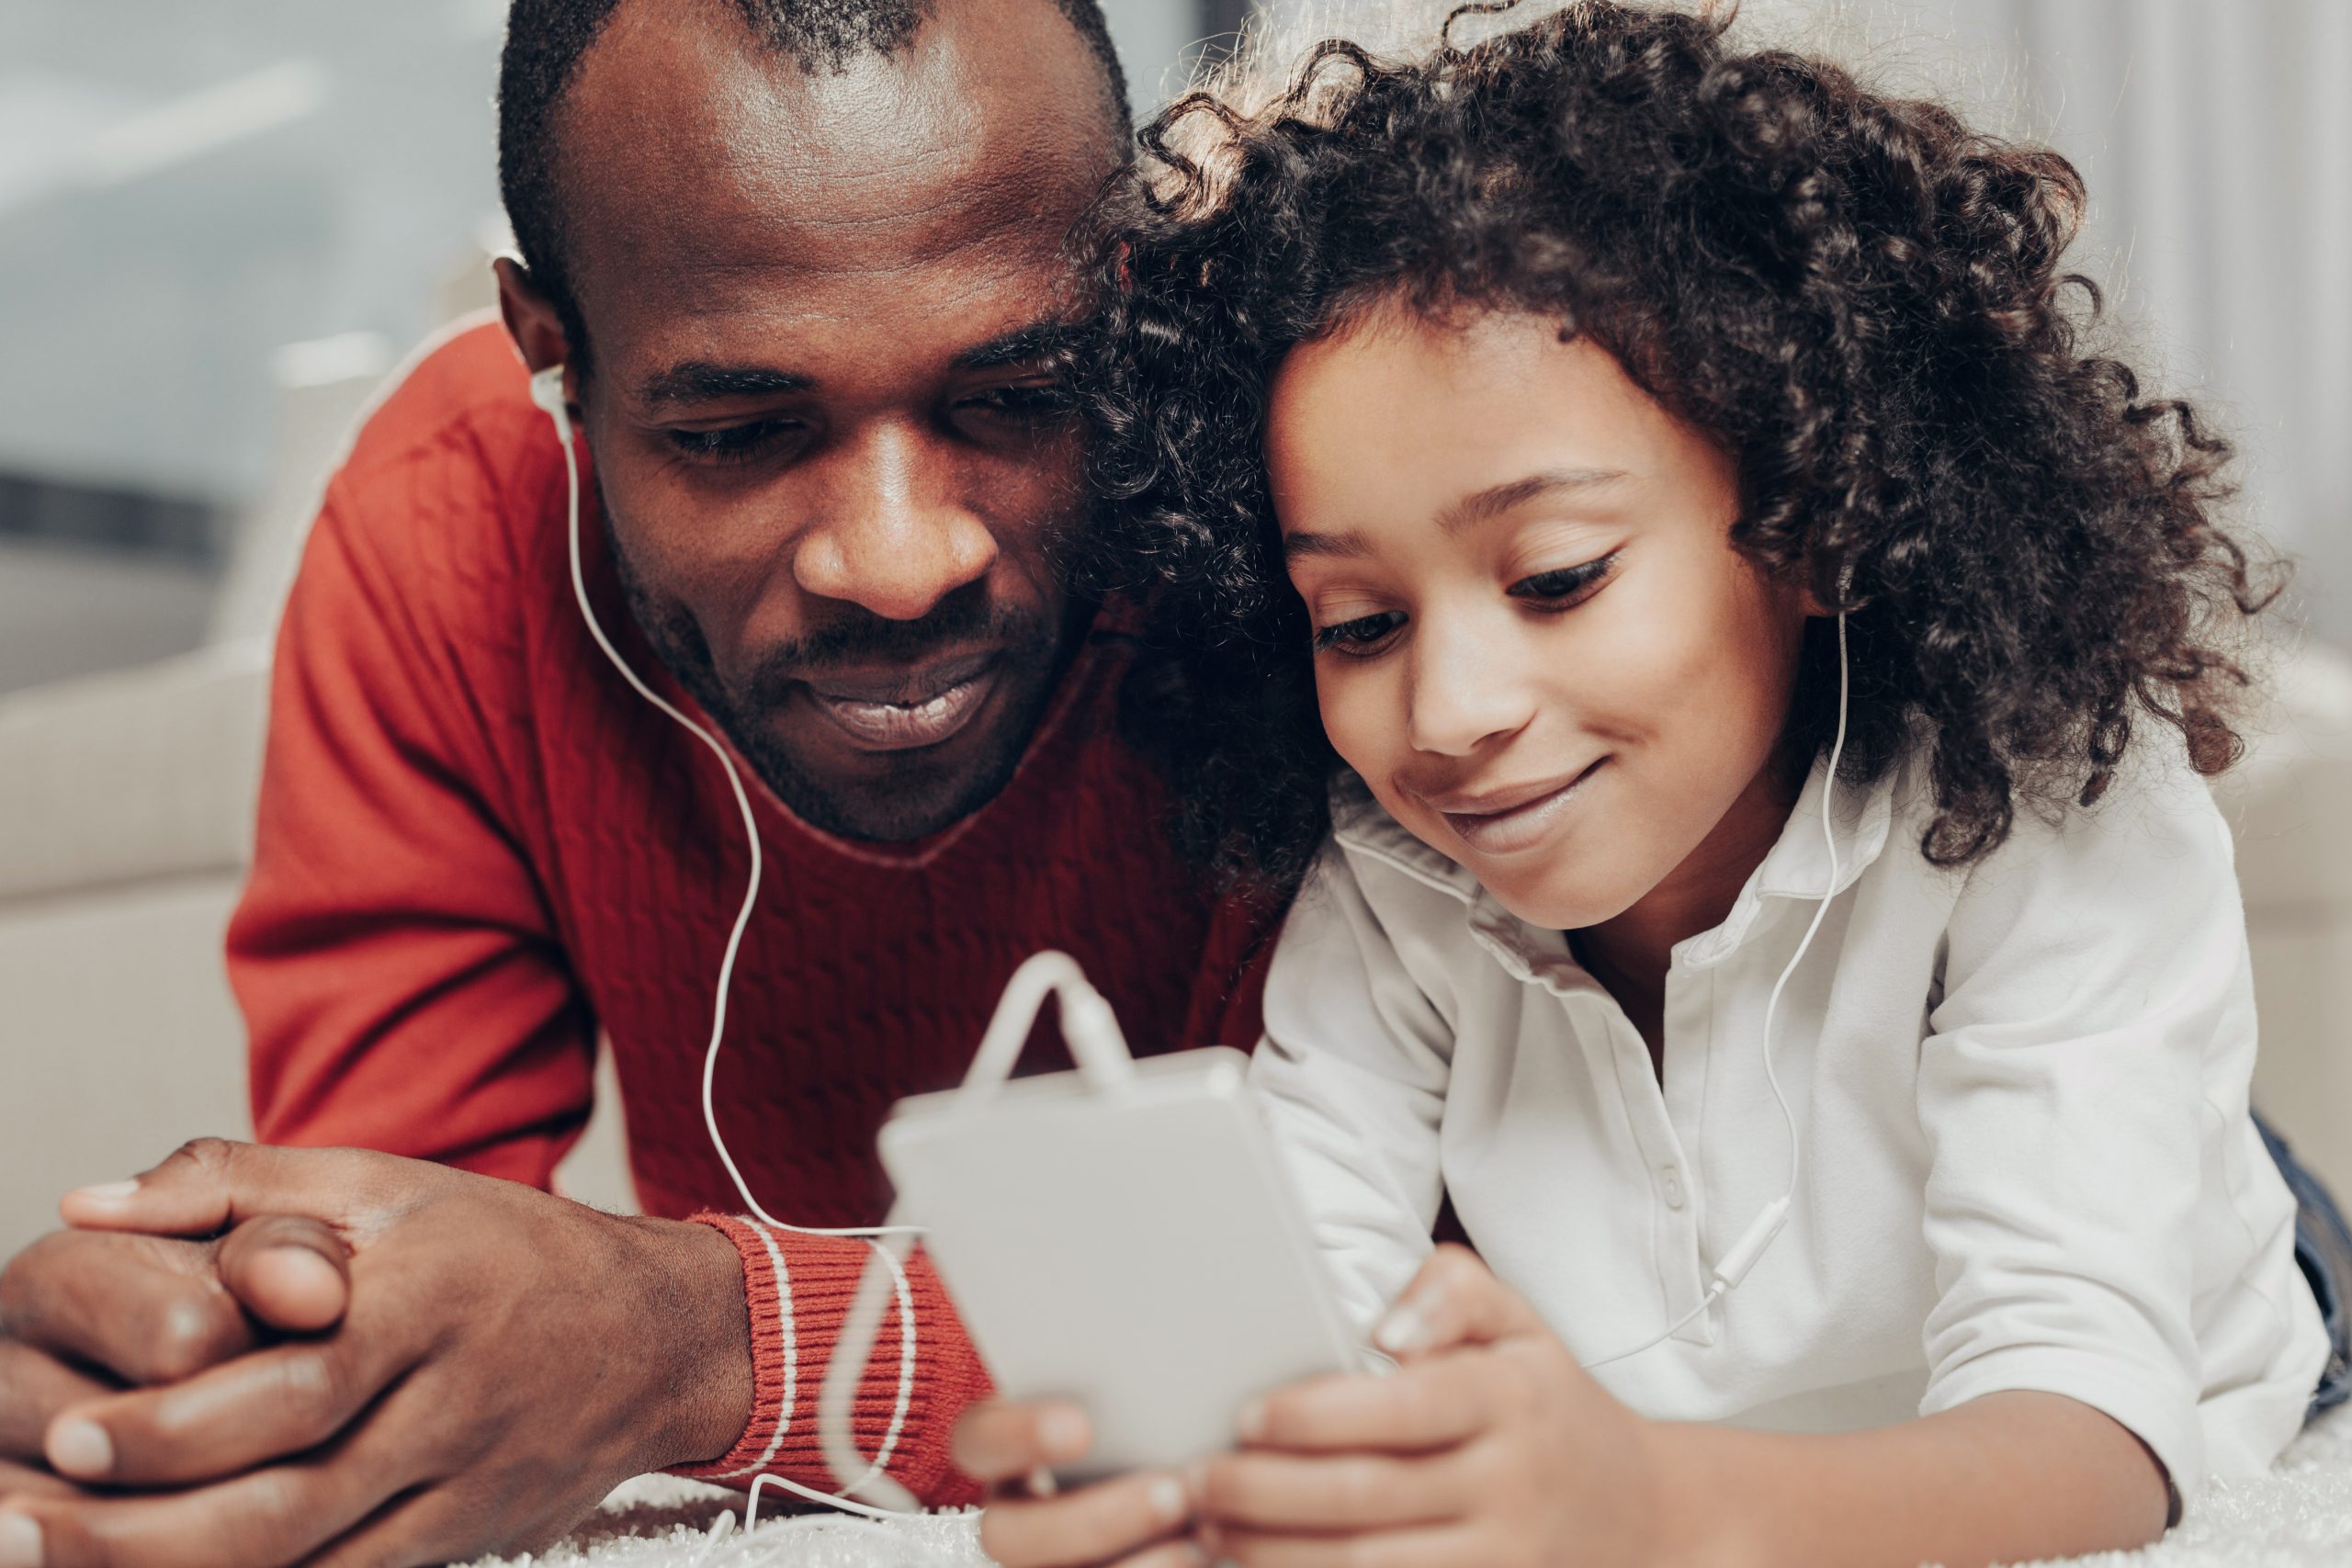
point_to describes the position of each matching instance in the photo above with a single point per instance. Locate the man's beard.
(915, 797)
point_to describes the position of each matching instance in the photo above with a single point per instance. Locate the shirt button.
(1670, 1181)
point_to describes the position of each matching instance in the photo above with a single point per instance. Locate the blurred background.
(221, 226)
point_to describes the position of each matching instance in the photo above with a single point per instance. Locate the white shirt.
(2020, 1090)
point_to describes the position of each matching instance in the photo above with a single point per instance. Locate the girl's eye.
(730, 443)
(1360, 638)
(1568, 585)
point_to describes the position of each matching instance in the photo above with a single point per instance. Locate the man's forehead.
(697, 163)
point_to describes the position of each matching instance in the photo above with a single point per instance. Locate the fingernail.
(1168, 1499)
(1401, 1330)
(1064, 1432)
(81, 1448)
(20, 1544)
(107, 1191)
(1251, 1422)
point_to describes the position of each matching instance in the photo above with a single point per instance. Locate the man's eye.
(1568, 585)
(1030, 404)
(730, 443)
(1360, 638)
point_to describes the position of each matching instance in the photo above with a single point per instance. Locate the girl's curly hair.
(1857, 296)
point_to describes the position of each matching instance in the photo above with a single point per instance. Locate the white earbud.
(547, 391)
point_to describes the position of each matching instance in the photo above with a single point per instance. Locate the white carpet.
(2299, 1516)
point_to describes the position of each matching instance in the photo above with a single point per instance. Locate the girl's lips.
(882, 726)
(1521, 826)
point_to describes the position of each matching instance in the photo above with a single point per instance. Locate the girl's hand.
(1489, 1447)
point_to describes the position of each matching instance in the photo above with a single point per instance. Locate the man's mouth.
(900, 710)
(1504, 821)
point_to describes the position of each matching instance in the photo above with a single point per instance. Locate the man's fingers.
(1454, 1300)
(208, 1185)
(290, 1272)
(1095, 1524)
(33, 1388)
(263, 1518)
(267, 1405)
(24, 1481)
(148, 1309)
(1001, 1443)
(1432, 1404)
(1264, 1490)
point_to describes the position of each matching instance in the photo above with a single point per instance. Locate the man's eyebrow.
(699, 381)
(1038, 340)
(1496, 500)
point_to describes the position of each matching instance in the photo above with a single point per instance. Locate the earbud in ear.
(547, 390)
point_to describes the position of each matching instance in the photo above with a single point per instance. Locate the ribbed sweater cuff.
(799, 1290)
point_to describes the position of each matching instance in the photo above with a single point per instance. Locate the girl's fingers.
(1001, 1443)
(1445, 1546)
(1265, 1490)
(1439, 1402)
(1454, 1300)
(1102, 1523)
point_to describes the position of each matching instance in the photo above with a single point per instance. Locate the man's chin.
(890, 795)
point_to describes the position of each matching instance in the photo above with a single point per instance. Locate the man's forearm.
(2006, 1478)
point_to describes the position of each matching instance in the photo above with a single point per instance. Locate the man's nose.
(893, 536)
(1465, 689)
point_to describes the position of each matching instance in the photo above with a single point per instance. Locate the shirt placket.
(1667, 1181)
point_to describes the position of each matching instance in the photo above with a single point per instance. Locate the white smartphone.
(1137, 1247)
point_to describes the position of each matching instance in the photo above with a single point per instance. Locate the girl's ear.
(1813, 605)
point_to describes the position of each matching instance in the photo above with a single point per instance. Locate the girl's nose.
(1467, 691)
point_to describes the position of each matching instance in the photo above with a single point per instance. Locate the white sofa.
(125, 821)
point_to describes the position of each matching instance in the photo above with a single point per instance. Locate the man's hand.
(505, 1359)
(1489, 1447)
(83, 1314)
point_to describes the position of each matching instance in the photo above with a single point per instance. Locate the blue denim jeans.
(2324, 1246)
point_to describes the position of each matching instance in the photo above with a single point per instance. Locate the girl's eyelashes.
(1360, 638)
(1566, 585)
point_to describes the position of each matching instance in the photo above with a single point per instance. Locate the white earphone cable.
(547, 392)
(1765, 1228)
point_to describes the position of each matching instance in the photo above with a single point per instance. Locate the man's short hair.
(546, 39)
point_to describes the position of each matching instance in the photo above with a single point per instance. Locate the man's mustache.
(861, 641)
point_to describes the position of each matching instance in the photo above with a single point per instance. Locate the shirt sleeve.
(923, 1373)
(1353, 1071)
(2092, 968)
(392, 952)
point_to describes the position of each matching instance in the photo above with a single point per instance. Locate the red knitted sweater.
(477, 848)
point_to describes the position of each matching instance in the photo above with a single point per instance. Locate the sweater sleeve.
(923, 1373)
(392, 952)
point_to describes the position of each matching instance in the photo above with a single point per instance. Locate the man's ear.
(531, 319)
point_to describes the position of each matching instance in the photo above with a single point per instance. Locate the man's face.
(833, 460)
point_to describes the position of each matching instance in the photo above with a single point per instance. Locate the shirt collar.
(1797, 866)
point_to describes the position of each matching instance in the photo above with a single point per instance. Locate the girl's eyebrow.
(1495, 500)
(1467, 513)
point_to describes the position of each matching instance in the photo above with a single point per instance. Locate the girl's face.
(1534, 641)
